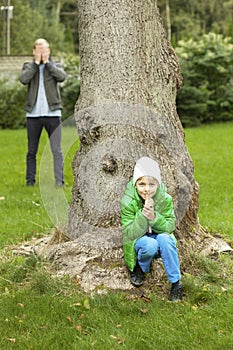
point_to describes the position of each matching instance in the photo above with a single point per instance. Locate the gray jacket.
(53, 74)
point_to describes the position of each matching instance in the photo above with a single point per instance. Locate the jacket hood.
(146, 166)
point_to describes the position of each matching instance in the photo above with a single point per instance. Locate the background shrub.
(207, 69)
(70, 89)
(12, 101)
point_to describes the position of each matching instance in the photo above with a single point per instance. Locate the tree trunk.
(127, 109)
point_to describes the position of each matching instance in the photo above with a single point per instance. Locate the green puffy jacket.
(135, 224)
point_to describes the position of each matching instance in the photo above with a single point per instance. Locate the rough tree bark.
(126, 109)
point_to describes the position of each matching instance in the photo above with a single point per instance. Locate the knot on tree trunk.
(109, 163)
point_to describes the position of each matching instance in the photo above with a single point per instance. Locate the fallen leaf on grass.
(6, 291)
(2, 198)
(20, 304)
(86, 304)
(76, 304)
(119, 340)
(69, 319)
(113, 336)
(144, 311)
(42, 327)
(80, 329)
(145, 298)
(11, 340)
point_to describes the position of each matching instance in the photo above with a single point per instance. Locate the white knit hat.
(146, 167)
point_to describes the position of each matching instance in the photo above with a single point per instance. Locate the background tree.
(61, 12)
(33, 19)
(192, 18)
(69, 17)
(127, 109)
(58, 19)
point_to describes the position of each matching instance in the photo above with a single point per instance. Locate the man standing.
(43, 107)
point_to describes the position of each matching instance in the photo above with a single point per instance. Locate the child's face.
(146, 187)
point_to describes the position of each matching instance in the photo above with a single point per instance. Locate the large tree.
(126, 109)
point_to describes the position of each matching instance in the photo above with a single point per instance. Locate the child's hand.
(148, 210)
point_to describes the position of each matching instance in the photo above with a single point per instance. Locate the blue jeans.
(154, 246)
(34, 128)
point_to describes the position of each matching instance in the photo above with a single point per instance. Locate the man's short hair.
(40, 41)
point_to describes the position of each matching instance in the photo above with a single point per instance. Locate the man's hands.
(37, 54)
(148, 210)
(41, 54)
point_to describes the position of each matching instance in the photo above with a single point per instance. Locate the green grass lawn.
(41, 312)
(24, 210)
(211, 149)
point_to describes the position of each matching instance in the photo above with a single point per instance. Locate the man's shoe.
(29, 183)
(137, 276)
(176, 292)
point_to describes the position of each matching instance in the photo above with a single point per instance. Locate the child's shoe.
(176, 292)
(137, 276)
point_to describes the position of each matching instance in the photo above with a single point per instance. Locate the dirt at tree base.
(93, 268)
(101, 269)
